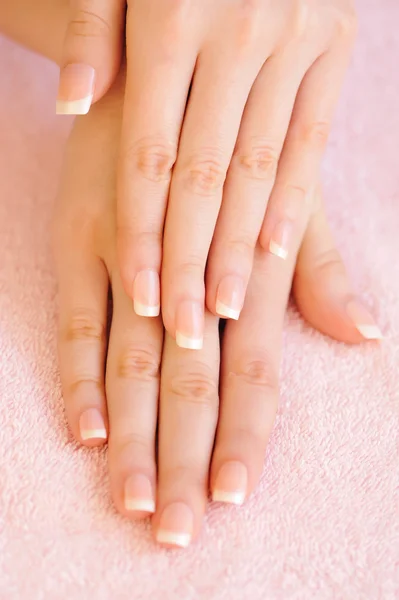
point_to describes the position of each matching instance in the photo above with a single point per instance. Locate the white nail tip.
(189, 343)
(146, 311)
(74, 107)
(277, 250)
(370, 332)
(174, 539)
(137, 504)
(93, 434)
(226, 312)
(236, 498)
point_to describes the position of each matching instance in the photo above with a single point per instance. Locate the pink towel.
(324, 521)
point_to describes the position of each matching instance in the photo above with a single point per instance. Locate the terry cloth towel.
(324, 521)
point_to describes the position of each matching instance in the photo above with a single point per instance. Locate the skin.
(201, 180)
(132, 372)
(126, 375)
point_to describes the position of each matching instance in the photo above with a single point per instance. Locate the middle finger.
(221, 85)
(187, 422)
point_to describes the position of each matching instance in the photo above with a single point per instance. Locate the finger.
(322, 289)
(158, 79)
(134, 356)
(91, 53)
(250, 179)
(83, 290)
(210, 129)
(188, 416)
(303, 149)
(249, 384)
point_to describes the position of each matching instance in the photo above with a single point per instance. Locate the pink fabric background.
(324, 522)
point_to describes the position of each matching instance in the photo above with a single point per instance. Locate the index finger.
(161, 58)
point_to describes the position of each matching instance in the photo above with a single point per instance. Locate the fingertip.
(92, 428)
(343, 318)
(93, 46)
(230, 297)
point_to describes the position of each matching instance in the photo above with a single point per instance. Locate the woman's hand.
(121, 383)
(265, 76)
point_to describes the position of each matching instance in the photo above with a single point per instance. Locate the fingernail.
(281, 238)
(363, 321)
(92, 426)
(230, 297)
(231, 483)
(146, 294)
(138, 494)
(76, 89)
(190, 325)
(176, 525)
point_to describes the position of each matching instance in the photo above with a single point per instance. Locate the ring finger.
(251, 178)
(187, 423)
(249, 376)
(223, 78)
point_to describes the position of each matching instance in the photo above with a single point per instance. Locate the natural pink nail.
(76, 89)
(139, 495)
(91, 425)
(190, 325)
(231, 483)
(281, 239)
(146, 294)
(176, 525)
(363, 321)
(230, 297)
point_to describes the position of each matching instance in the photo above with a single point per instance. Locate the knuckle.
(88, 24)
(81, 381)
(175, 15)
(129, 443)
(240, 247)
(329, 261)
(260, 163)
(132, 237)
(192, 269)
(83, 325)
(205, 175)
(301, 18)
(258, 371)
(178, 7)
(248, 23)
(348, 25)
(315, 135)
(138, 363)
(152, 159)
(197, 387)
(188, 470)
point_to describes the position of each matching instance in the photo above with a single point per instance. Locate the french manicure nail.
(230, 297)
(146, 294)
(176, 525)
(92, 426)
(363, 321)
(190, 325)
(231, 484)
(76, 89)
(138, 494)
(281, 238)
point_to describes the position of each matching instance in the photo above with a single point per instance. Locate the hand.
(113, 378)
(264, 76)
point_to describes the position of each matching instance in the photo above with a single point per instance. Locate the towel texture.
(324, 521)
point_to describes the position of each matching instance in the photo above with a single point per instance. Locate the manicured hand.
(263, 77)
(122, 384)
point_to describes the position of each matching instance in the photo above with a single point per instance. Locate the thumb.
(322, 289)
(91, 53)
